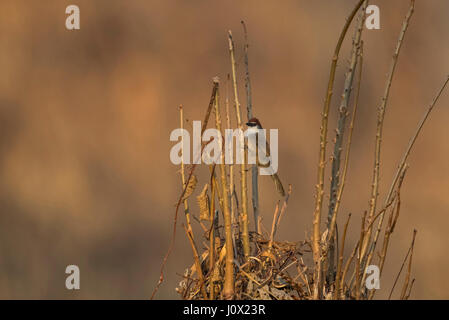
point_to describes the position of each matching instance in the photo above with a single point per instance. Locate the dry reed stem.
(228, 290)
(358, 261)
(183, 179)
(244, 191)
(212, 229)
(249, 109)
(379, 130)
(409, 290)
(273, 225)
(338, 146)
(198, 268)
(346, 163)
(316, 236)
(231, 165)
(340, 260)
(346, 267)
(284, 208)
(217, 187)
(339, 194)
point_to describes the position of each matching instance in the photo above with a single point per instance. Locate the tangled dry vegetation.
(240, 264)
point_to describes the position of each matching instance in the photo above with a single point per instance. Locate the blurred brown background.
(85, 118)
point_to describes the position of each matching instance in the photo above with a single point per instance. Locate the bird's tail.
(278, 184)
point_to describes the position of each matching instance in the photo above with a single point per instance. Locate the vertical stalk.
(357, 266)
(244, 189)
(212, 230)
(409, 269)
(228, 292)
(379, 130)
(338, 146)
(316, 236)
(183, 178)
(231, 166)
(249, 109)
(340, 260)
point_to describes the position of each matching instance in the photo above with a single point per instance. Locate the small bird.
(253, 129)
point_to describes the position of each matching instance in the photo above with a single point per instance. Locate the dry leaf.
(203, 203)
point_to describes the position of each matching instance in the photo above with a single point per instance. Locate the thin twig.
(415, 136)
(409, 269)
(392, 222)
(379, 130)
(403, 263)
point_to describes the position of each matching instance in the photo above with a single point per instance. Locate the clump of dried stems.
(236, 263)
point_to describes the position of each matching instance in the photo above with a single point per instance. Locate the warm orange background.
(85, 118)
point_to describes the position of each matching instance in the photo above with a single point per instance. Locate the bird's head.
(254, 123)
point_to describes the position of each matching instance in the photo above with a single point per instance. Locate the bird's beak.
(248, 124)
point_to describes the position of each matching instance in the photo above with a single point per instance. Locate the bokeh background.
(85, 118)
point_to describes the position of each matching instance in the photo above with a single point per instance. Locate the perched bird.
(253, 130)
